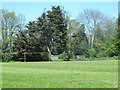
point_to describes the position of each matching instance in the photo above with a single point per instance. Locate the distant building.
(80, 56)
(53, 57)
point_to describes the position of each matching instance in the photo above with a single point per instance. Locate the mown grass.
(71, 74)
(90, 59)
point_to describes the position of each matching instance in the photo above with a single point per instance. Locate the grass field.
(72, 74)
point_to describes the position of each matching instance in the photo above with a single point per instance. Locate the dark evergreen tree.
(80, 41)
(59, 29)
(52, 26)
(47, 33)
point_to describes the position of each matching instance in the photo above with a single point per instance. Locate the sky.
(32, 10)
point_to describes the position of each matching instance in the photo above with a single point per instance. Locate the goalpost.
(25, 54)
(49, 55)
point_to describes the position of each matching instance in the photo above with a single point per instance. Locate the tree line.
(92, 34)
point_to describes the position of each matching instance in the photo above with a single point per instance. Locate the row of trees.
(9, 24)
(101, 32)
(92, 34)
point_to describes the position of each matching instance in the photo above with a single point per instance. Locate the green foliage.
(55, 30)
(77, 39)
(10, 25)
(108, 48)
(118, 36)
(64, 56)
(58, 22)
(6, 57)
(38, 57)
(71, 55)
(49, 30)
(92, 52)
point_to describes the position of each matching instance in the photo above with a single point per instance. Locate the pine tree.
(80, 41)
(59, 29)
(47, 33)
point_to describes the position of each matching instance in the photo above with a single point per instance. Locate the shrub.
(101, 54)
(92, 52)
(45, 57)
(71, 55)
(38, 57)
(64, 56)
(6, 57)
(31, 57)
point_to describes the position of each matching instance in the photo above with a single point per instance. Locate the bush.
(64, 56)
(38, 57)
(5, 60)
(6, 57)
(92, 52)
(71, 55)
(101, 54)
(45, 57)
